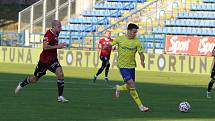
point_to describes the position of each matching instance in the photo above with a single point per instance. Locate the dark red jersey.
(107, 51)
(48, 56)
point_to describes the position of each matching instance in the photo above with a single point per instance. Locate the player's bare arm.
(142, 59)
(49, 47)
(98, 47)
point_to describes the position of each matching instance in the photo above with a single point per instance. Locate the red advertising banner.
(192, 45)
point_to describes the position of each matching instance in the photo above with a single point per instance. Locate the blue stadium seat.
(202, 7)
(102, 14)
(88, 20)
(64, 34)
(193, 7)
(213, 31)
(193, 31)
(126, 1)
(114, 6)
(187, 23)
(149, 45)
(167, 22)
(202, 23)
(209, 1)
(159, 46)
(196, 15)
(69, 37)
(210, 32)
(155, 30)
(79, 28)
(182, 23)
(199, 31)
(185, 31)
(149, 38)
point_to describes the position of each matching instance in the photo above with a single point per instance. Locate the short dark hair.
(132, 26)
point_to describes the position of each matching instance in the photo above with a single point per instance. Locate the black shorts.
(42, 68)
(105, 60)
(213, 73)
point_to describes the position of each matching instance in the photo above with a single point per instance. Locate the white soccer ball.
(184, 106)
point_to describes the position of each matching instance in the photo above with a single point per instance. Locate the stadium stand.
(209, 1)
(196, 15)
(83, 31)
(127, 1)
(202, 7)
(190, 23)
(86, 20)
(114, 6)
(101, 14)
(11, 39)
(198, 21)
(91, 20)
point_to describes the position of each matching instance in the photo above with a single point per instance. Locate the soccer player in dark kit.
(210, 84)
(104, 56)
(48, 61)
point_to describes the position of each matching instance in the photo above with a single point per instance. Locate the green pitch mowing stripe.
(162, 92)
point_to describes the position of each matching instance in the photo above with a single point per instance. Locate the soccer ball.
(184, 106)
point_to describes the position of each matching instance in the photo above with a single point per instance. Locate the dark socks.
(24, 82)
(60, 85)
(210, 85)
(107, 70)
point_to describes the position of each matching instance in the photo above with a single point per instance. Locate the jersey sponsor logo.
(128, 48)
(106, 43)
(46, 39)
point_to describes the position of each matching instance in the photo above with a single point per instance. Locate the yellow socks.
(133, 93)
(122, 87)
(135, 97)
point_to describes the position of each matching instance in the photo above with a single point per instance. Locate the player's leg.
(56, 68)
(107, 71)
(100, 69)
(126, 76)
(40, 70)
(123, 87)
(60, 84)
(210, 84)
(135, 97)
(99, 72)
(25, 82)
(129, 79)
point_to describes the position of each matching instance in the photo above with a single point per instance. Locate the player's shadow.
(96, 101)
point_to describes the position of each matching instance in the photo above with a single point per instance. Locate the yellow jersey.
(127, 49)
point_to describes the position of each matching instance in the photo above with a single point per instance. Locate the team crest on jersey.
(46, 38)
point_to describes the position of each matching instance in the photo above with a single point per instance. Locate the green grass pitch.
(162, 92)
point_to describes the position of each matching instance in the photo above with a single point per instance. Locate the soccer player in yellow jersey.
(128, 45)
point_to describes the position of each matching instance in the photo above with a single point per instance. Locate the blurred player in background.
(104, 56)
(128, 45)
(48, 61)
(210, 84)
